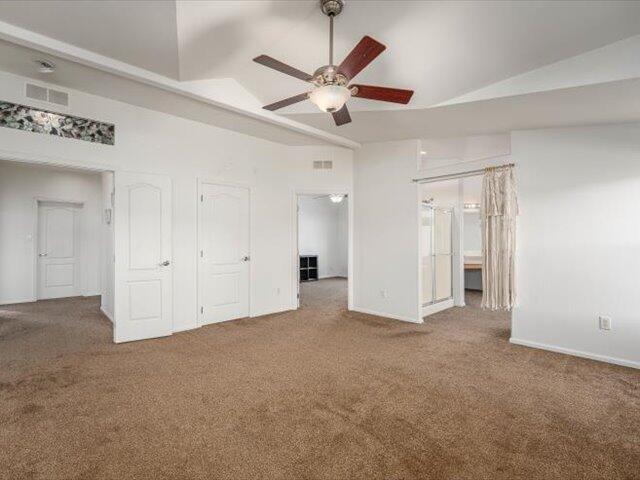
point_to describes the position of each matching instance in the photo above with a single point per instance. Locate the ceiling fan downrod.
(331, 8)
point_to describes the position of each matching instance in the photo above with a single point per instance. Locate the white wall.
(578, 245)
(445, 193)
(108, 286)
(342, 252)
(386, 230)
(19, 186)
(323, 231)
(149, 141)
(472, 191)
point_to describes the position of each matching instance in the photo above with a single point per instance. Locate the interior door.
(223, 240)
(58, 250)
(143, 269)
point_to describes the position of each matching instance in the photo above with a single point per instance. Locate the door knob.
(166, 263)
(246, 258)
(42, 254)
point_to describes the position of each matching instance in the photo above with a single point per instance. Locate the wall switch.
(604, 323)
(383, 293)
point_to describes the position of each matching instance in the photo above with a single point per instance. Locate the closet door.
(223, 237)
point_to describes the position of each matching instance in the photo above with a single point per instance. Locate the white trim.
(385, 315)
(27, 38)
(106, 313)
(296, 192)
(576, 353)
(11, 301)
(222, 183)
(39, 159)
(436, 307)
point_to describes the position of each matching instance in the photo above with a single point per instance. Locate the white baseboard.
(386, 315)
(12, 301)
(436, 307)
(106, 313)
(576, 353)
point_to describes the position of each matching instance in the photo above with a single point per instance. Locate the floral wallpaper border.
(22, 117)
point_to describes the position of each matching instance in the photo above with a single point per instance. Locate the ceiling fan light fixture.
(330, 98)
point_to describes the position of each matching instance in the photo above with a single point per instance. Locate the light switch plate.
(604, 323)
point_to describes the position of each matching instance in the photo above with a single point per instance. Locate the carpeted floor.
(316, 393)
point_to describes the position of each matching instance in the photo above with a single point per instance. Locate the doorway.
(450, 243)
(322, 250)
(472, 239)
(56, 241)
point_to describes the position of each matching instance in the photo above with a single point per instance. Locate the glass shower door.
(442, 254)
(426, 262)
(437, 254)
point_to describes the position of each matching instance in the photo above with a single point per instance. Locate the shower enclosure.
(437, 253)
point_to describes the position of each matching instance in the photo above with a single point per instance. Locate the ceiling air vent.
(59, 98)
(322, 164)
(37, 93)
(49, 95)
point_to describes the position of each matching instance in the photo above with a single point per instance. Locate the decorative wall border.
(30, 119)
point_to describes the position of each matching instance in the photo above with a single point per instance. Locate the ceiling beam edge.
(27, 38)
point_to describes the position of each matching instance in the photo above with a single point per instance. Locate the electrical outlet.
(383, 293)
(604, 323)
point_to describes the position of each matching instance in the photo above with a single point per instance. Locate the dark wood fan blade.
(286, 102)
(384, 94)
(282, 67)
(342, 116)
(362, 55)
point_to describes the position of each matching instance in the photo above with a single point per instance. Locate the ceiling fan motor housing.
(328, 75)
(332, 8)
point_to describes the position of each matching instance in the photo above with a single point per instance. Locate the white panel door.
(223, 240)
(58, 250)
(143, 269)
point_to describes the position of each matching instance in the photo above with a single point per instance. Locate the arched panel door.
(223, 240)
(143, 268)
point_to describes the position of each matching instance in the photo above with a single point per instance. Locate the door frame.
(295, 259)
(201, 181)
(35, 291)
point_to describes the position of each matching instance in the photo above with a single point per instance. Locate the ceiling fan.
(331, 83)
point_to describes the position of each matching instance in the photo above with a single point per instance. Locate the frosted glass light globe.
(330, 98)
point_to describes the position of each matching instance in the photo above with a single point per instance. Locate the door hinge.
(201, 309)
(298, 295)
(202, 198)
(201, 253)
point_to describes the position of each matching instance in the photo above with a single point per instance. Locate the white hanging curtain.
(498, 210)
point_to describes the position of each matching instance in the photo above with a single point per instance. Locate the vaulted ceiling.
(475, 66)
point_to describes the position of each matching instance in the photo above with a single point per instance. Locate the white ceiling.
(141, 32)
(442, 50)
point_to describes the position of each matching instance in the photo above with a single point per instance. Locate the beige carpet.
(317, 393)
